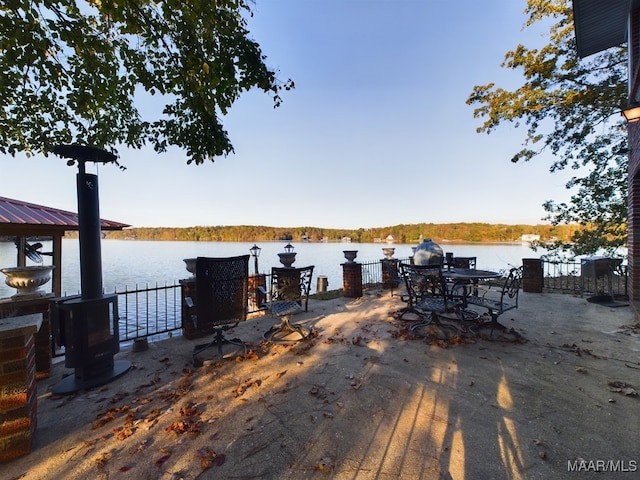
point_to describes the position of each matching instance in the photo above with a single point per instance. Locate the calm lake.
(127, 263)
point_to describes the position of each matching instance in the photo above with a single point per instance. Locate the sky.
(376, 133)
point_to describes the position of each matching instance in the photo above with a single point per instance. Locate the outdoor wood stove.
(87, 324)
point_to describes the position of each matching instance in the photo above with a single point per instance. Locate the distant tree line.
(463, 232)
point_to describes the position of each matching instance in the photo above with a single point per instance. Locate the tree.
(571, 108)
(72, 72)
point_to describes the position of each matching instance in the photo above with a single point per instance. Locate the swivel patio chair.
(221, 300)
(499, 300)
(288, 295)
(427, 296)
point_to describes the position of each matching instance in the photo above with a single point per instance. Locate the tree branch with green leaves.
(74, 72)
(570, 107)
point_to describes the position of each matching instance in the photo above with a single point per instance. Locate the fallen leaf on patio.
(123, 433)
(162, 460)
(325, 464)
(117, 397)
(189, 410)
(622, 387)
(89, 443)
(250, 355)
(103, 458)
(209, 458)
(141, 446)
(185, 381)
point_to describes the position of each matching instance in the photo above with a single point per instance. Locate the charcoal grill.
(87, 324)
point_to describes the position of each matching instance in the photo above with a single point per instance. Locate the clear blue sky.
(376, 132)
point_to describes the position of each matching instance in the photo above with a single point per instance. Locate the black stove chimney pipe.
(89, 233)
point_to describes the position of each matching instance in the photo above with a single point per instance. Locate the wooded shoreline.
(452, 232)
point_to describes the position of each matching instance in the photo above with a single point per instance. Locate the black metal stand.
(218, 342)
(72, 384)
(279, 333)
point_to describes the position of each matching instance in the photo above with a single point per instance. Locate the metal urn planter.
(28, 280)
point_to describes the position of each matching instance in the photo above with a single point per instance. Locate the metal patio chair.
(427, 296)
(221, 299)
(288, 295)
(499, 300)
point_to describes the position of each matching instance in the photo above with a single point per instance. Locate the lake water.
(127, 263)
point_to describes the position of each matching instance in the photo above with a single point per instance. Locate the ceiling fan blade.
(31, 251)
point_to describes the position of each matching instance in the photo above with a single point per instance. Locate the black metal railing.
(157, 310)
(149, 311)
(372, 272)
(567, 277)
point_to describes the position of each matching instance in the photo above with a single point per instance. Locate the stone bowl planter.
(388, 252)
(287, 258)
(28, 280)
(350, 255)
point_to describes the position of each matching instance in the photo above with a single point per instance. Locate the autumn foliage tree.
(569, 107)
(74, 72)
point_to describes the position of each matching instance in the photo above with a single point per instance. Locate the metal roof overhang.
(23, 220)
(18, 218)
(600, 24)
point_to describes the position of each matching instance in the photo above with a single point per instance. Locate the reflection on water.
(130, 263)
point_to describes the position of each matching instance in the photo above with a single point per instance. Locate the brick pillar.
(390, 275)
(18, 399)
(352, 280)
(17, 307)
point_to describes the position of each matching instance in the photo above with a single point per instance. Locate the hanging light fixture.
(632, 112)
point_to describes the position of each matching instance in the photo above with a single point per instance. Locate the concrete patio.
(362, 400)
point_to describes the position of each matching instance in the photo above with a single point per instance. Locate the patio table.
(464, 282)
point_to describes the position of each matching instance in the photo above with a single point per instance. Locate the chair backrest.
(221, 290)
(291, 285)
(464, 262)
(424, 281)
(512, 285)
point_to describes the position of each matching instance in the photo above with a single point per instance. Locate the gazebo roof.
(18, 218)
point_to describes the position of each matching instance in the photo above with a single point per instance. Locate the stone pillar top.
(20, 325)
